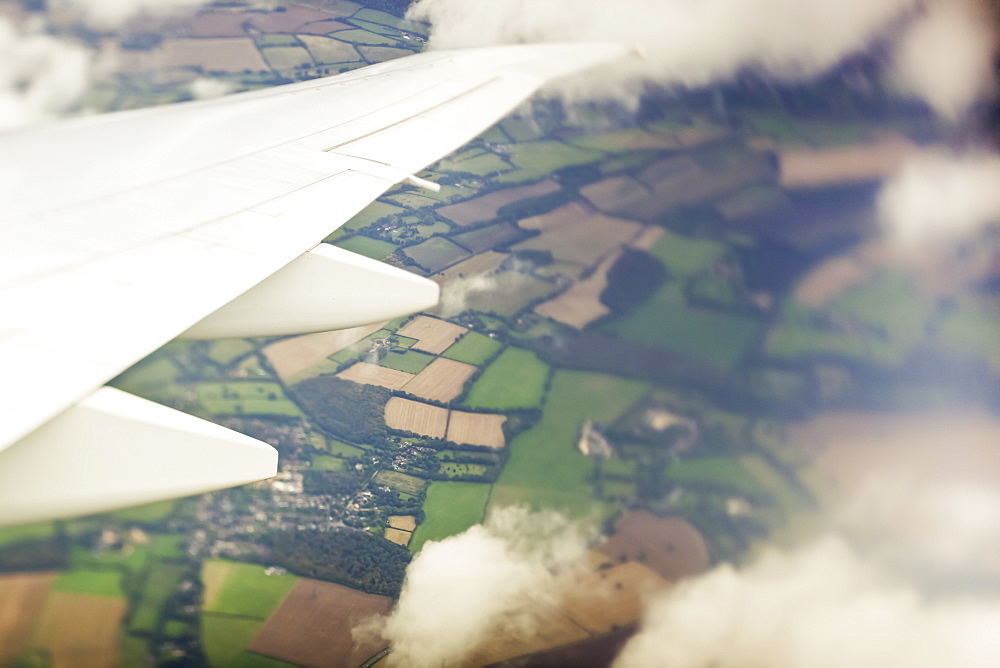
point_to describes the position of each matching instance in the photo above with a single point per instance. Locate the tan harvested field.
(313, 625)
(433, 336)
(567, 214)
(403, 522)
(442, 380)
(22, 596)
(373, 374)
(220, 54)
(602, 599)
(618, 193)
(865, 162)
(290, 356)
(593, 602)
(581, 304)
(416, 417)
(481, 209)
(477, 429)
(477, 265)
(830, 279)
(398, 536)
(80, 630)
(647, 238)
(670, 546)
(213, 575)
(586, 241)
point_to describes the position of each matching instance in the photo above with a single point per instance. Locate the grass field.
(436, 253)
(494, 389)
(401, 482)
(224, 351)
(151, 512)
(545, 469)
(412, 361)
(362, 245)
(452, 469)
(168, 545)
(224, 638)
(341, 449)
(450, 508)
(728, 472)
(684, 256)
(327, 463)
(473, 348)
(245, 589)
(132, 558)
(17, 534)
(93, 583)
(666, 321)
(246, 398)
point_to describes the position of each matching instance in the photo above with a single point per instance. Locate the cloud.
(40, 76)
(939, 195)
(946, 56)
(700, 42)
(818, 606)
(494, 578)
(203, 89)
(110, 14)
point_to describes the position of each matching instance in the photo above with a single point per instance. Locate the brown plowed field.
(670, 546)
(80, 630)
(312, 626)
(581, 304)
(414, 416)
(586, 241)
(433, 335)
(403, 522)
(372, 374)
(442, 380)
(21, 599)
(477, 429)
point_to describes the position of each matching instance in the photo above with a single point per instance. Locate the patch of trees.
(633, 279)
(348, 410)
(347, 556)
(328, 482)
(43, 554)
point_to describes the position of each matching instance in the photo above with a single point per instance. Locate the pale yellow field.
(403, 522)
(290, 356)
(442, 380)
(477, 429)
(80, 630)
(398, 536)
(213, 575)
(372, 374)
(416, 417)
(433, 335)
(479, 209)
(810, 168)
(567, 214)
(21, 598)
(830, 279)
(581, 304)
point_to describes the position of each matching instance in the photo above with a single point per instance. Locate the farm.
(416, 417)
(442, 380)
(545, 469)
(432, 335)
(450, 508)
(493, 389)
(473, 348)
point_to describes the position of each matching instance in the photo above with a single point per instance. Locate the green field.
(436, 253)
(168, 545)
(666, 321)
(362, 245)
(473, 348)
(411, 361)
(224, 351)
(401, 482)
(94, 583)
(246, 398)
(370, 214)
(685, 256)
(224, 638)
(327, 463)
(150, 512)
(17, 534)
(249, 592)
(545, 468)
(727, 472)
(454, 469)
(133, 558)
(341, 449)
(515, 379)
(450, 508)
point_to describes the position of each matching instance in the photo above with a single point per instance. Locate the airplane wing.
(123, 231)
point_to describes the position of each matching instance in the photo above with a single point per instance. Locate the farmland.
(246, 398)
(21, 599)
(313, 626)
(244, 590)
(415, 417)
(450, 508)
(473, 348)
(476, 429)
(545, 469)
(75, 629)
(296, 354)
(442, 380)
(432, 335)
(372, 374)
(493, 389)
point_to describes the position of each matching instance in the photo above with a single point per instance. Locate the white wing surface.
(120, 232)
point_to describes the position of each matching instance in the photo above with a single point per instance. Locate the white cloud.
(203, 89)
(938, 195)
(40, 76)
(494, 578)
(109, 14)
(944, 56)
(818, 606)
